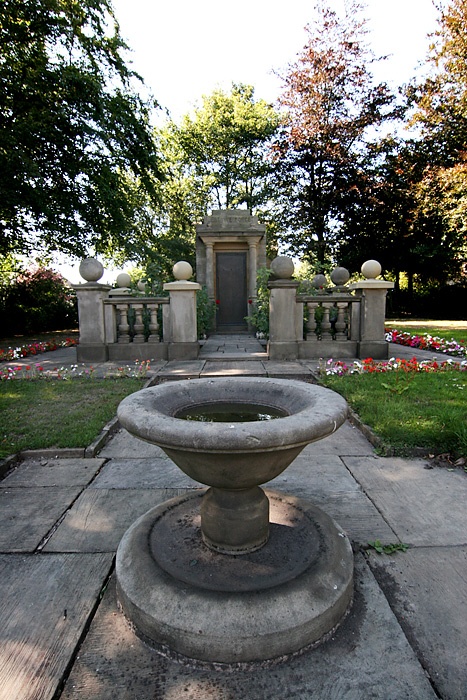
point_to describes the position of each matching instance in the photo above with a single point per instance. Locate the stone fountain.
(234, 573)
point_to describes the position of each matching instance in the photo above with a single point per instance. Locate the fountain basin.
(231, 573)
(233, 455)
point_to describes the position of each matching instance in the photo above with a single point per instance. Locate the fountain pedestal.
(234, 573)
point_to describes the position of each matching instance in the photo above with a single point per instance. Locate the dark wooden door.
(231, 286)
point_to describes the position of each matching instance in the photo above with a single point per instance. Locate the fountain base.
(202, 604)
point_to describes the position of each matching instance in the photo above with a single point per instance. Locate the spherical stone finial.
(371, 269)
(123, 279)
(141, 285)
(282, 267)
(340, 276)
(91, 269)
(319, 281)
(182, 270)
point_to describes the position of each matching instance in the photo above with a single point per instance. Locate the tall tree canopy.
(331, 103)
(76, 144)
(223, 147)
(441, 113)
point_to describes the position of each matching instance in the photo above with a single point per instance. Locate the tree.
(331, 105)
(75, 137)
(441, 114)
(223, 147)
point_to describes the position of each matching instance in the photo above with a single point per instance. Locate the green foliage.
(388, 548)
(331, 103)
(38, 300)
(205, 312)
(221, 149)
(259, 316)
(76, 145)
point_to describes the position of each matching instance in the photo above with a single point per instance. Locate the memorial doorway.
(230, 247)
(231, 292)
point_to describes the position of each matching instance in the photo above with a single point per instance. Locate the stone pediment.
(230, 221)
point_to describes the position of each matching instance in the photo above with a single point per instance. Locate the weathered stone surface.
(226, 368)
(100, 517)
(427, 589)
(423, 506)
(28, 514)
(368, 657)
(123, 446)
(142, 473)
(53, 472)
(45, 604)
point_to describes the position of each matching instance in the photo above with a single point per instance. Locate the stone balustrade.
(341, 321)
(331, 320)
(137, 321)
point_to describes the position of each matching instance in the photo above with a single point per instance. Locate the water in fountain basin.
(230, 413)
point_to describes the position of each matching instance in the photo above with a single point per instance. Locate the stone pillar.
(92, 345)
(183, 339)
(210, 269)
(284, 325)
(252, 268)
(371, 342)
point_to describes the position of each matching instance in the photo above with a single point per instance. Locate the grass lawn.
(441, 329)
(54, 413)
(409, 410)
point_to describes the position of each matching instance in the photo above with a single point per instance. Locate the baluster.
(325, 323)
(123, 325)
(153, 324)
(139, 325)
(311, 323)
(340, 322)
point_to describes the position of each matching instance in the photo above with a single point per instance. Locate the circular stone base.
(180, 594)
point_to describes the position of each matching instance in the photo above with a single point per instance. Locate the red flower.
(217, 302)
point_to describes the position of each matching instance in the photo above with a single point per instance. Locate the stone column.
(252, 268)
(92, 344)
(210, 269)
(371, 342)
(183, 339)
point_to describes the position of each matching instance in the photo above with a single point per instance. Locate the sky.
(184, 49)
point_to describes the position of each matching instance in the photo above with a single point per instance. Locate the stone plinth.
(92, 347)
(183, 334)
(372, 342)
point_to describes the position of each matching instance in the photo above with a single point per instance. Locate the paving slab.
(289, 368)
(427, 589)
(28, 514)
(181, 369)
(45, 604)
(368, 657)
(325, 481)
(347, 440)
(142, 473)
(53, 472)
(124, 445)
(423, 506)
(100, 517)
(230, 368)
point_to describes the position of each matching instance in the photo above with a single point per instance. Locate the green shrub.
(38, 300)
(259, 315)
(205, 312)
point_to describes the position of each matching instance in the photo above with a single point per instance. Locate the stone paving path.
(63, 636)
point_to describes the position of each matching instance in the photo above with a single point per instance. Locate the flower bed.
(36, 371)
(395, 364)
(35, 349)
(427, 342)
